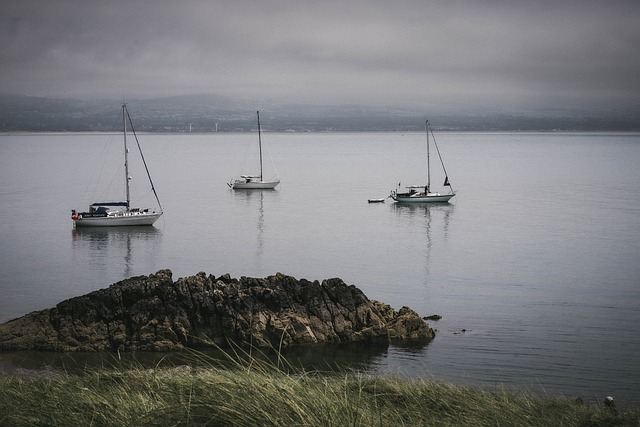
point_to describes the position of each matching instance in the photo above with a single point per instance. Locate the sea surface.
(534, 266)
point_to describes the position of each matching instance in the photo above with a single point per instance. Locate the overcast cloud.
(444, 53)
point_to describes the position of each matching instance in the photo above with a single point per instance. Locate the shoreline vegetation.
(242, 389)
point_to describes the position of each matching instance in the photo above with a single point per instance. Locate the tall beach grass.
(247, 391)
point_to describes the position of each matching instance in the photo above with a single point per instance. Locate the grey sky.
(444, 53)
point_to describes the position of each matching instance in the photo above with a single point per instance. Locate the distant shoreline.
(210, 114)
(445, 131)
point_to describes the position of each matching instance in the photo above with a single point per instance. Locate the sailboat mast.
(260, 143)
(428, 168)
(126, 152)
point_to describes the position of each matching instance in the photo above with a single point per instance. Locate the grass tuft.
(244, 390)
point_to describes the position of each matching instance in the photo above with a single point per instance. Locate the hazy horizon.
(443, 55)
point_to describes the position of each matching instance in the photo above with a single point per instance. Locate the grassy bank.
(258, 394)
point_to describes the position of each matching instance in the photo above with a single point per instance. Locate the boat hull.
(119, 220)
(254, 185)
(431, 198)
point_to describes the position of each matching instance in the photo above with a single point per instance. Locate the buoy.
(610, 404)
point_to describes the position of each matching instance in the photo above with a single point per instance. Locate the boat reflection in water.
(421, 217)
(115, 251)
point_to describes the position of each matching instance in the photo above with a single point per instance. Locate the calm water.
(537, 258)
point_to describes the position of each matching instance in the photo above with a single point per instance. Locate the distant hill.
(208, 113)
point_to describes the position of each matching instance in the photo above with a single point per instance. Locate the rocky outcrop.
(404, 325)
(154, 313)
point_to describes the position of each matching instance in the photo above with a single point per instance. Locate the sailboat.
(255, 182)
(120, 213)
(424, 193)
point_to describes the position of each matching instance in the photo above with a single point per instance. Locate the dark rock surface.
(155, 313)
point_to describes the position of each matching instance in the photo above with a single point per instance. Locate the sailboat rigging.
(255, 182)
(424, 193)
(120, 213)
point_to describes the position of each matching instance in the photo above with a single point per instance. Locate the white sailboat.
(424, 193)
(255, 182)
(119, 213)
